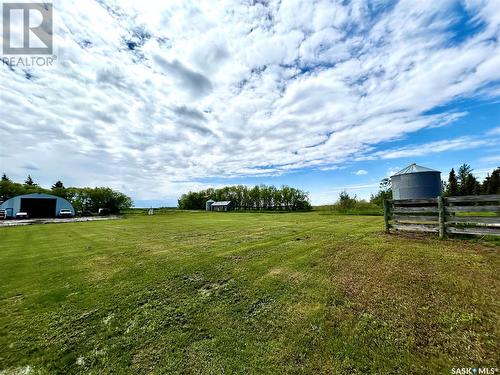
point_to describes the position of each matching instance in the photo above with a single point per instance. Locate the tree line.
(464, 182)
(259, 197)
(86, 199)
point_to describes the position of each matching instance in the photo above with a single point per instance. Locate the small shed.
(208, 205)
(222, 206)
(416, 182)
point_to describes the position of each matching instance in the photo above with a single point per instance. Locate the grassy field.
(210, 293)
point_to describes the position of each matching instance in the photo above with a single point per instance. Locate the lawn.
(213, 293)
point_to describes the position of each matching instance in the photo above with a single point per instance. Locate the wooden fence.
(472, 214)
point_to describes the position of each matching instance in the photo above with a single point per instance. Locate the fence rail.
(473, 214)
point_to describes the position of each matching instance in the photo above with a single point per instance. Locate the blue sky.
(158, 99)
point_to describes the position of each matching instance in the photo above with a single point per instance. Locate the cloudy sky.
(156, 98)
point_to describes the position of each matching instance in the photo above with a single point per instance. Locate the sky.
(158, 98)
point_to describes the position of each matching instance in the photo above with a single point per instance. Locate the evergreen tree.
(452, 184)
(60, 190)
(476, 190)
(58, 185)
(29, 181)
(465, 183)
(471, 185)
(5, 178)
(485, 186)
(493, 185)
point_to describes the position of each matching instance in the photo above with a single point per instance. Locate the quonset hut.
(416, 182)
(36, 205)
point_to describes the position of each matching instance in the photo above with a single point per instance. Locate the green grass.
(366, 209)
(213, 293)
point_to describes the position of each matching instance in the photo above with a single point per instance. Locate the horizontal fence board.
(411, 218)
(489, 208)
(398, 202)
(476, 231)
(426, 215)
(474, 219)
(416, 228)
(412, 210)
(475, 198)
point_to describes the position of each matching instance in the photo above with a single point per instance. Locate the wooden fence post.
(386, 216)
(442, 214)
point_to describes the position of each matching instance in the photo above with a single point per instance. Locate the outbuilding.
(221, 206)
(36, 205)
(208, 204)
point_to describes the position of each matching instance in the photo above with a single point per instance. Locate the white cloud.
(461, 143)
(491, 159)
(494, 131)
(153, 97)
(361, 172)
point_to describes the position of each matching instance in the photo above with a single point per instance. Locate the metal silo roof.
(414, 168)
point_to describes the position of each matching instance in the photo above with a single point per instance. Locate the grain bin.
(208, 205)
(416, 182)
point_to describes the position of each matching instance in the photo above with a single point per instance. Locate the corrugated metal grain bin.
(416, 182)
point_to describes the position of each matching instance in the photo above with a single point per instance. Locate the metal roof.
(210, 200)
(36, 195)
(414, 168)
(223, 203)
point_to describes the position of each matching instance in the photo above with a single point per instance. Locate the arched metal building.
(415, 182)
(36, 205)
